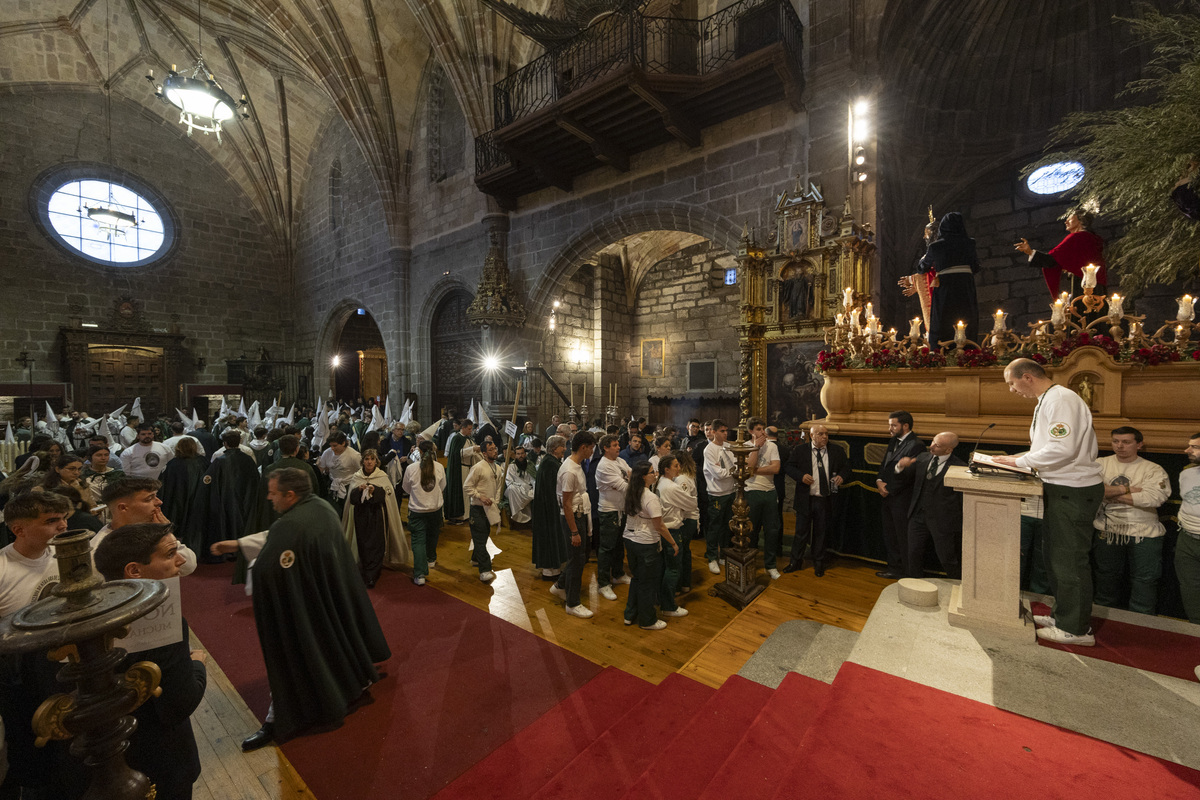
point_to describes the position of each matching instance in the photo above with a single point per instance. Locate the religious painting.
(794, 383)
(653, 358)
(796, 239)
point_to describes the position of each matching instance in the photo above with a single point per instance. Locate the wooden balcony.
(630, 83)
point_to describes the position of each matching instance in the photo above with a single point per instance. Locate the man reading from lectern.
(1063, 450)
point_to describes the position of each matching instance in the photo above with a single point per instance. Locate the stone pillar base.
(741, 570)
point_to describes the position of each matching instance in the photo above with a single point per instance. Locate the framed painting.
(653, 358)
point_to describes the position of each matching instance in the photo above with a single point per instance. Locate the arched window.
(447, 140)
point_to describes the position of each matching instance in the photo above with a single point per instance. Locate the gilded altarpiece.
(791, 289)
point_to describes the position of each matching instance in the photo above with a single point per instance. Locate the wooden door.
(455, 355)
(116, 375)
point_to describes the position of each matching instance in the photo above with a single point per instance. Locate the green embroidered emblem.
(1059, 429)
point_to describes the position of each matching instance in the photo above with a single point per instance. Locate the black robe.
(549, 543)
(227, 497)
(319, 634)
(181, 483)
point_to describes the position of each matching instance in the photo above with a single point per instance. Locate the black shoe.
(819, 571)
(887, 573)
(260, 738)
(793, 567)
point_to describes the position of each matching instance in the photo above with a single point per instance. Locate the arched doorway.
(454, 355)
(359, 364)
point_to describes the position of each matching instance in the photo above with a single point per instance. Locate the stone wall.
(681, 301)
(222, 285)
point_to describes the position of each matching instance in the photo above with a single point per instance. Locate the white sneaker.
(558, 592)
(1044, 621)
(1059, 636)
(432, 564)
(583, 612)
(607, 593)
(630, 622)
(713, 568)
(624, 579)
(419, 580)
(678, 612)
(774, 573)
(721, 561)
(657, 626)
(487, 577)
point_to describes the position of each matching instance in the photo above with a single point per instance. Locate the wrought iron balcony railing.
(655, 45)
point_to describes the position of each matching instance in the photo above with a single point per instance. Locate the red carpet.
(880, 736)
(1162, 652)
(460, 683)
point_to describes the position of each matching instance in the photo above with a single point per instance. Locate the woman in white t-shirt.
(678, 506)
(691, 522)
(643, 530)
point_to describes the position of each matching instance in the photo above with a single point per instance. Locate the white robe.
(519, 493)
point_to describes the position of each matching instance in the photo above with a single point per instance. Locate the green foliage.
(1134, 155)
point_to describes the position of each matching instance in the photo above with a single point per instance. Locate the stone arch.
(635, 219)
(327, 341)
(422, 340)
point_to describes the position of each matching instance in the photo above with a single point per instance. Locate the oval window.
(1055, 178)
(104, 217)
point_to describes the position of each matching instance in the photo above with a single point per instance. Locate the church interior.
(599, 210)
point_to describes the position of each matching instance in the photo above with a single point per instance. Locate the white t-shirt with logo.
(24, 580)
(145, 460)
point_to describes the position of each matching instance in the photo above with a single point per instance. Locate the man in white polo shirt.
(27, 567)
(719, 464)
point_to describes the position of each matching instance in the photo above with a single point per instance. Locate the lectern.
(990, 594)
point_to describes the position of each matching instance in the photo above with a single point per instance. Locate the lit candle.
(839, 319)
(960, 333)
(870, 310)
(872, 323)
(855, 324)
(914, 329)
(1135, 330)
(998, 319)
(1116, 306)
(1057, 317)
(1186, 308)
(1089, 276)
(847, 297)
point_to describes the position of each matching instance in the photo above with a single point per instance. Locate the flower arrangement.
(1154, 354)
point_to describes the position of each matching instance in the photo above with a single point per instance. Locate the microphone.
(977, 441)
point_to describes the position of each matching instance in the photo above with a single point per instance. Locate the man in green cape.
(549, 544)
(460, 455)
(262, 514)
(319, 634)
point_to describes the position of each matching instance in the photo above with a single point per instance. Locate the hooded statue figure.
(952, 257)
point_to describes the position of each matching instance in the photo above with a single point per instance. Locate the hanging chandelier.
(110, 220)
(203, 105)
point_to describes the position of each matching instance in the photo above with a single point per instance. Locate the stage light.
(860, 155)
(861, 107)
(335, 362)
(491, 363)
(862, 176)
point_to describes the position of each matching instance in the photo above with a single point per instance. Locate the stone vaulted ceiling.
(297, 61)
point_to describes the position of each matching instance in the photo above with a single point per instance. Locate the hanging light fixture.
(203, 105)
(109, 219)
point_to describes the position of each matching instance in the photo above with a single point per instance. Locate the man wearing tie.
(896, 497)
(935, 510)
(818, 471)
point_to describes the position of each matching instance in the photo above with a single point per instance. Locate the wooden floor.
(713, 642)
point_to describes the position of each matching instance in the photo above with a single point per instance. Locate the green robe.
(549, 544)
(261, 513)
(452, 495)
(319, 634)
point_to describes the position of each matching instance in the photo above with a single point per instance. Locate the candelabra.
(741, 584)
(79, 623)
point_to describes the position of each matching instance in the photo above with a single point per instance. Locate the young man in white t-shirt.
(575, 509)
(761, 495)
(27, 567)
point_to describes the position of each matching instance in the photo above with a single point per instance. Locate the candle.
(870, 310)
(872, 324)
(847, 297)
(1186, 308)
(839, 319)
(1116, 306)
(1135, 330)
(854, 321)
(572, 385)
(960, 333)
(1057, 317)
(1089, 276)
(914, 329)
(998, 320)
(583, 397)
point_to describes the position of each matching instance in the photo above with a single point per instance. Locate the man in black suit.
(935, 510)
(896, 497)
(818, 470)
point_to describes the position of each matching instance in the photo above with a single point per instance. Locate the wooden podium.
(990, 594)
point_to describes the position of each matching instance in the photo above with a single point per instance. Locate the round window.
(1055, 178)
(103, 216)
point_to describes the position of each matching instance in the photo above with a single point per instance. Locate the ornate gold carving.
(49, 719)
(496, 302)
(143, 678)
